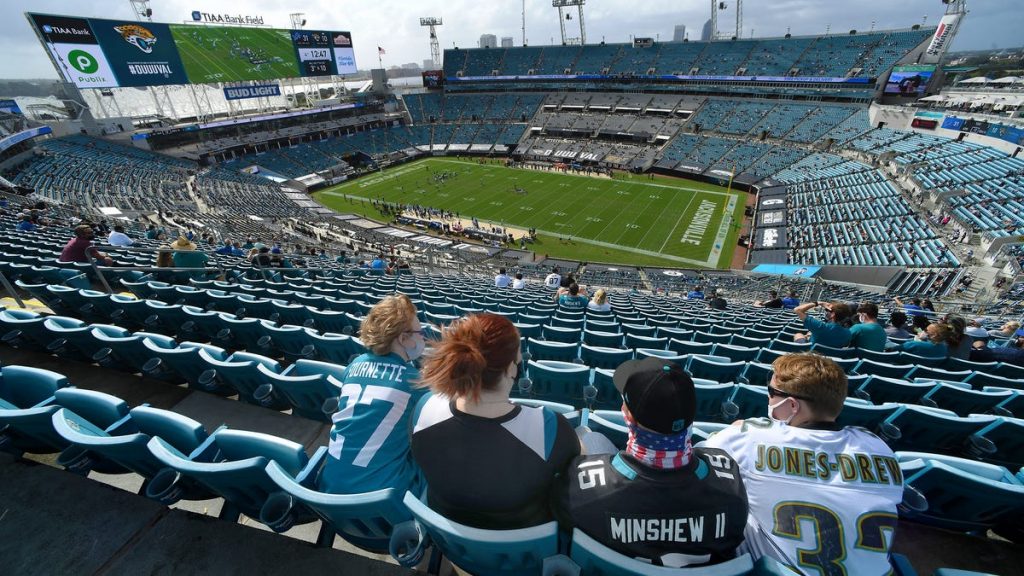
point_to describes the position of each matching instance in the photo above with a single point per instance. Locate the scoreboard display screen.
(97, 53)
(313, 49)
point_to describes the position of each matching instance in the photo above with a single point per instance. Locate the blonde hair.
(943, 333)
(600, 297)
(386, 321)
(812, 376)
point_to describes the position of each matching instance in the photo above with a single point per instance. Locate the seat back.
(558, 381)
(491, 552)
(596, 559)
(26, 386)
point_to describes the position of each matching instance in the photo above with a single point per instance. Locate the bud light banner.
(257, 91)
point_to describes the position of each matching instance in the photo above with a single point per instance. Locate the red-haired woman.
(488, 463)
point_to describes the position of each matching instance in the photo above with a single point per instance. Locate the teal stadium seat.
(493, 552)
(237, 473)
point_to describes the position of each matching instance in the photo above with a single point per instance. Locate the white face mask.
(862, 318)
(417, 350)
(771, 412)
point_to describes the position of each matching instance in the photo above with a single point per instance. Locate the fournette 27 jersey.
(821, 500)
(369, 446)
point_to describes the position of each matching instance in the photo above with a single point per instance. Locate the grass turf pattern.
(628, 220)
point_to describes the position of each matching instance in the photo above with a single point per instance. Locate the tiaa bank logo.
(197, 15)
(47, 28)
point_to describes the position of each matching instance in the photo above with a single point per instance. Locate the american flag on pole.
(380, 51)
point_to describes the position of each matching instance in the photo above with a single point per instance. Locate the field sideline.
(628, 220)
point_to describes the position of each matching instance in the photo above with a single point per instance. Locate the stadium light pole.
(562, 17)
(435, 49)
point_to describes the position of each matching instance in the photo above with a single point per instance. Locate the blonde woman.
(369, 444)
(599, 303)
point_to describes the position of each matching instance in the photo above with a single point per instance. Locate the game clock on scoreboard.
(314, 51)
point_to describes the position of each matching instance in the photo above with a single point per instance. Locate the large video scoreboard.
(97, 53)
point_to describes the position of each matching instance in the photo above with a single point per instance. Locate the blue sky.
(394, 24)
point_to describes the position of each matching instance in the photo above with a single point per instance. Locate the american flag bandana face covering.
(663, 451)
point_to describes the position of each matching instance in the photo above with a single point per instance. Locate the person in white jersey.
(822, 497)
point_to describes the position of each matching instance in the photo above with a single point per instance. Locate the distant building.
(705, 33)
(428, 64)
(488, 41)
(680, 33)
(506, 41)
(410, 66)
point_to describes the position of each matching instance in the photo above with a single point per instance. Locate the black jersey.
(690, 516)
(495, 473)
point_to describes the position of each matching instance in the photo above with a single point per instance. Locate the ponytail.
(472, 356)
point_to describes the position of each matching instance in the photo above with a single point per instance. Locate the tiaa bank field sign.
(257, 91)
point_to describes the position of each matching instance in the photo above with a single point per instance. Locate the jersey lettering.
(355, 395)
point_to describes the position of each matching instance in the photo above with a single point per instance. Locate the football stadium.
(743, 305)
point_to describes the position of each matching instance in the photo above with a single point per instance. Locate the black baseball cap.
(659, 394)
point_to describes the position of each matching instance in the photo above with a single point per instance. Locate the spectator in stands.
(927, 305)
(958, 342)
(1006, 330)
(151, 232)
(369, 442)
(696, 294)
(867, 334)
(912, 309)
(716, 301)
(790, 302)
(502, 280)
(773, 301)
(834, 331)
(26, 224)
(896, 322)
(226, 249)
(1012, 353)
(519, 283)
(260, 257)
(605, 492)
(976, 329)
(919, 324)
(378, 263)
(572, 299)
(488, 463)
(599, 303)
(186, 255)
(932, 343)
(805, 397)
(554, 279)
(80, 248)
(343, 258)
(117, 237)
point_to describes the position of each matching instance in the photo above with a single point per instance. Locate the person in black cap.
(660, 500)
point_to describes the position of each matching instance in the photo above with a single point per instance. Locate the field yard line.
(593, 178)
(678, 220)
(640, 213)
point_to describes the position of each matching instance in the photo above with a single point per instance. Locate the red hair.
(473, 355)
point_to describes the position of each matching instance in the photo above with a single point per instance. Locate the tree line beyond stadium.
(95, 53)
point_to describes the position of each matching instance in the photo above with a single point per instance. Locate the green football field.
(221, 54)
(628, 220)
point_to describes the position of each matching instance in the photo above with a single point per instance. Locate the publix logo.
(83, 61)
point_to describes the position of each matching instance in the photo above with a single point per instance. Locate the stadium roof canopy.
(976, 80)
(1008, 80)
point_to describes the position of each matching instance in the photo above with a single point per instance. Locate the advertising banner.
(9, 106)
(1008, 133)
(787, 269)
(942, 37)
(953, 123)
(770, 239)
(140, 53)
(771, 218)
(256, 91)
(73, 45)
(772, 203)
(344, 54)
